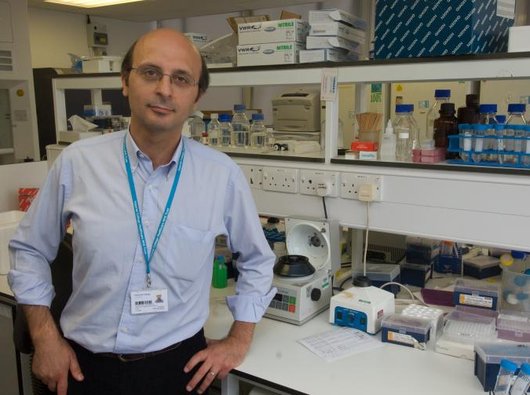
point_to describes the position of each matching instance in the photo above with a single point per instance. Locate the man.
(145, 205)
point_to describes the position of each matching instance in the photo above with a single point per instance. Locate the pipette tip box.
(476, 294)
(488, 358)
(406, 331)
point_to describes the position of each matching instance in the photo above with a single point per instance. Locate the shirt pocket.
(188, 260)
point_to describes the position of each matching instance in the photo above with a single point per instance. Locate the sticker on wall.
(423, 105)
(399, 88)
(376, 93)
(20, 92)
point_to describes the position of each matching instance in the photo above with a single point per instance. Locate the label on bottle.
(403, 135)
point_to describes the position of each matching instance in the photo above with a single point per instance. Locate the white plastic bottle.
(387, 152)
(406, 132)
(241, 127)
(214, 130)
(427, 137)
(505, 377)
(522, 382)
(197, 126)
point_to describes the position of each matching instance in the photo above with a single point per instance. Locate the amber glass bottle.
(445, 126)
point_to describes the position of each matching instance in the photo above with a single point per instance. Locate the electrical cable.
(366, 237)
(412, 297)
(325, 208)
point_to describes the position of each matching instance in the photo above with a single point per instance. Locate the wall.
(21, 175)
(55, 34)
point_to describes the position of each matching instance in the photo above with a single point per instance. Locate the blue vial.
(505, 377)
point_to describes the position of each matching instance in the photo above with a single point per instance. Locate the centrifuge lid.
(307, 239)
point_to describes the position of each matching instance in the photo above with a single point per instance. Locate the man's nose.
(165, 85)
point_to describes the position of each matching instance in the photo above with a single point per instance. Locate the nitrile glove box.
(423, 28)
(272, 31)
(268, 54)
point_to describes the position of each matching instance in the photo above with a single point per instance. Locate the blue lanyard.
(137, 214)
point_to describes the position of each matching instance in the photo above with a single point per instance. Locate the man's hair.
(126, 65)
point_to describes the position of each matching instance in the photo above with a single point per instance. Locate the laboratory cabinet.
(484, 206)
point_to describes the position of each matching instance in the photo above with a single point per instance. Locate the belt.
(138, 356)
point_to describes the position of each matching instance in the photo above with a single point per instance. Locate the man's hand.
(53, 357)
(221, 356)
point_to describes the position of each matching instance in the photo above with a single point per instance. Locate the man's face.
(160, 106)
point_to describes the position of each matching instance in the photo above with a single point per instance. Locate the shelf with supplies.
(480, 205)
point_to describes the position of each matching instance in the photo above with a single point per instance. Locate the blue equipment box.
(406, 331)
(482, 266)
(380, 274)
(488, 359)
(415, 274)
(422, 28)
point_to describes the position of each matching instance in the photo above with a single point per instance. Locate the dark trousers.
(160, 374)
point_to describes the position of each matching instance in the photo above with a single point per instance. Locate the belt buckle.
(130, 357)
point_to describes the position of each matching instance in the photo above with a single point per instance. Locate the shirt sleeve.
(254, 289)
(36, 240)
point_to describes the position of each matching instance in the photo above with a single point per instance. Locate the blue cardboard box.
(422, 28)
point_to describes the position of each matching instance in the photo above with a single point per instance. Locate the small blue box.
(422, 28)
(415, 274)
(382, 273)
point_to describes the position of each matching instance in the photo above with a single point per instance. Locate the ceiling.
(153, 10)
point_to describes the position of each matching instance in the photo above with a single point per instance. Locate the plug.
(323, 189)
(367, 192)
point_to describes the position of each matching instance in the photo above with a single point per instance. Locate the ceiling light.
(90, 3)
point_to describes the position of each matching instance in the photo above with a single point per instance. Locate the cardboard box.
(324, 42)
(336, 15)
(327, 55)
(519, 39)
(198, 39)
(25, 197)
(424, 28)
(272, 31)
(268, 54)
(102, 64)
(338, 29)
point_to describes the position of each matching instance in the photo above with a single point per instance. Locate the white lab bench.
(278, 362)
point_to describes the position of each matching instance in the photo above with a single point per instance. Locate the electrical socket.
(254, 175)
(349, 187)
(280, 179)
(351, 182)
(320, 183)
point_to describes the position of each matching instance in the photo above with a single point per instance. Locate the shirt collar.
(136, 154)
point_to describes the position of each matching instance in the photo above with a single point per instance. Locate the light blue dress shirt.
(88, 186)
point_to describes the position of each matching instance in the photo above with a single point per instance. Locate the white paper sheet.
(340, 342)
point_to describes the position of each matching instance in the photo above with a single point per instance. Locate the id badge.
(149, 301)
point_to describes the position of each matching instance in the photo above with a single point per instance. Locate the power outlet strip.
(280, 179)
(319, 183)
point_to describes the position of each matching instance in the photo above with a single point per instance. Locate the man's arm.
(53, 357)
(221, 356)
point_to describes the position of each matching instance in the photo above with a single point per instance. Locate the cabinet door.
(8, 356)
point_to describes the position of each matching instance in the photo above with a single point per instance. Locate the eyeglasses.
(154, 74)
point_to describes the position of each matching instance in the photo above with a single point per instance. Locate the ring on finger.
(212, 373)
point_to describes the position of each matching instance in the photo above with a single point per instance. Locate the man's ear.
(125, 85)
